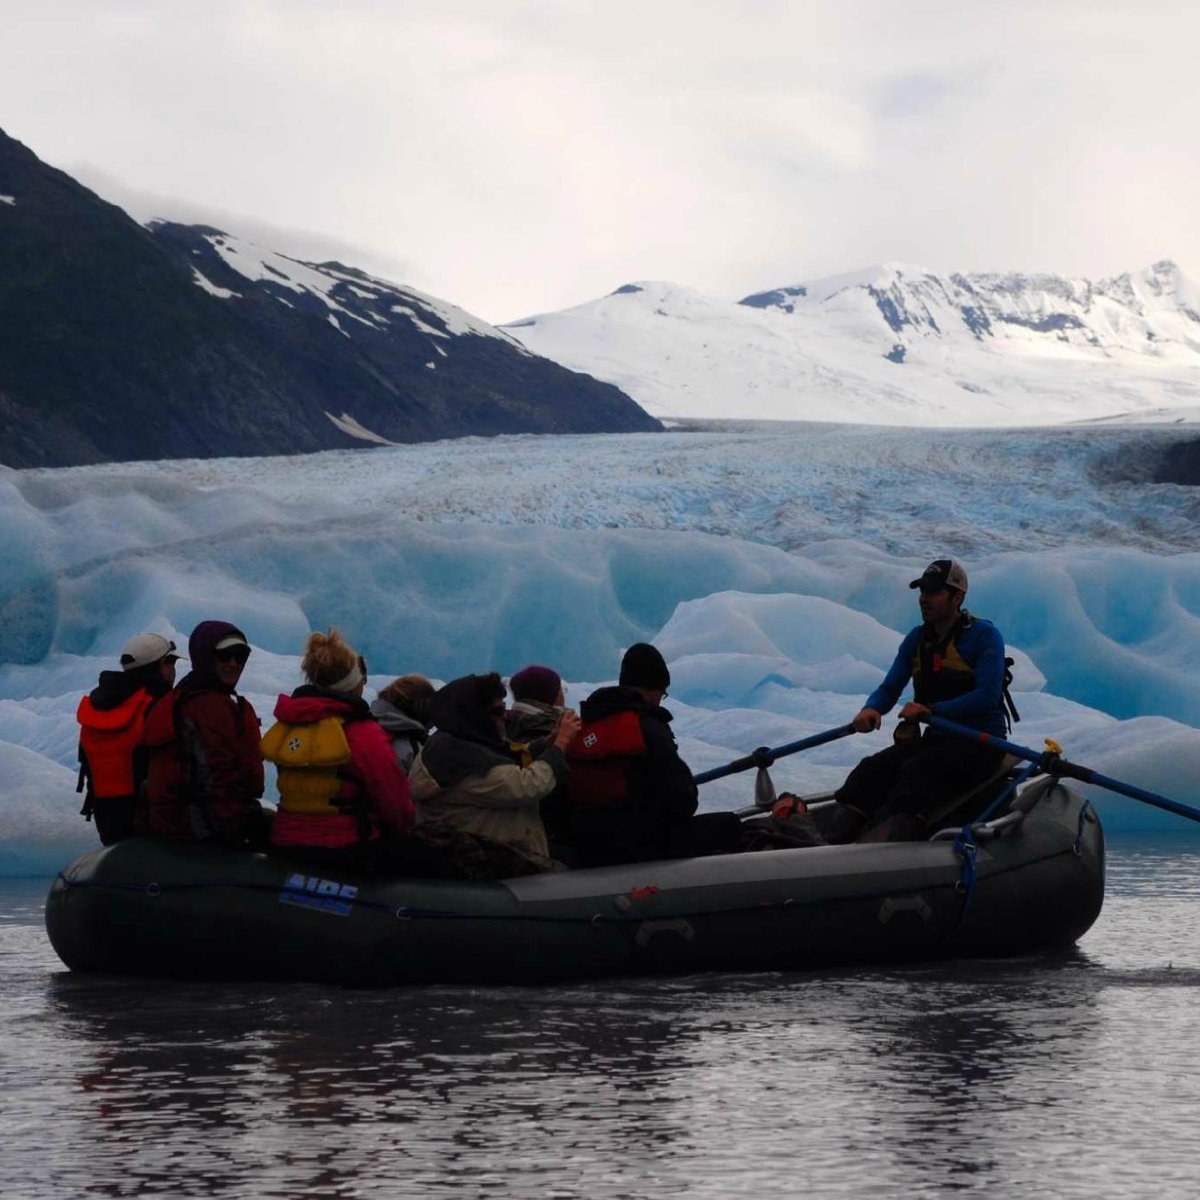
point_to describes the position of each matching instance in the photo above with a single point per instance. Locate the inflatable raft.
(1032, 879)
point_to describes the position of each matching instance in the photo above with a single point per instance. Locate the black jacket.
(659, 796)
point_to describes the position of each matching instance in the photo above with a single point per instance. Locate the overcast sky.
(519, 156)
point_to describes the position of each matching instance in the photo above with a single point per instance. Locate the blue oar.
(764, 756)
(1054, 764)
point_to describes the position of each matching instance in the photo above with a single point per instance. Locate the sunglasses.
(238, 654)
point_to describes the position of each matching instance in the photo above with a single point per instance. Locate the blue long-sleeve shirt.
(982, 648)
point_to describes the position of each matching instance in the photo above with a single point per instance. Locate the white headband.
(350, 682)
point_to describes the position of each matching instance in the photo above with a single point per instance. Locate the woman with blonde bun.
(343, 800)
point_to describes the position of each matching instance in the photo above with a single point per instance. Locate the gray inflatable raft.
(1034, 879)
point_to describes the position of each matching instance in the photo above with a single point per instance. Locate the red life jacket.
(600, 758)
(107, 740)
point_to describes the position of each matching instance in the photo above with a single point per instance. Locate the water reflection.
(1071, 1076)
(428, 1083)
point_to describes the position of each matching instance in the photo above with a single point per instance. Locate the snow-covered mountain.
(124, 342)
(894, 344)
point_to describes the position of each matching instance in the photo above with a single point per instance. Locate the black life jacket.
(939, 671)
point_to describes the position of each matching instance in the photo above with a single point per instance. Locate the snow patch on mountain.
(348, 425)
(894, 344)
(349, 292)
(211, 288)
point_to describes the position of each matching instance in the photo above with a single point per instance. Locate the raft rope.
(1085, 813)
(1008, 793)
(407, 913)
(966, 845)
(967, 850)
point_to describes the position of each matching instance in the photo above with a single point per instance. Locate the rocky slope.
(124, 342)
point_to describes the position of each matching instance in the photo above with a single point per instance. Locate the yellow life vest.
(311, 759)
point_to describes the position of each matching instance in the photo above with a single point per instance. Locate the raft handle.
(985, 832)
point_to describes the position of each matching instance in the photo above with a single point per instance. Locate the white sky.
(524, 155)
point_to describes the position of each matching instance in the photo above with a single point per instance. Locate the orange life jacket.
(107, 740)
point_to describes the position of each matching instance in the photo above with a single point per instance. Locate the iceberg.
(752, 558)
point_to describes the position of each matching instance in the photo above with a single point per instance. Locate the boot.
(846, 825)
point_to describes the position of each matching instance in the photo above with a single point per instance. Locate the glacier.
(769, 562)
(894, 344)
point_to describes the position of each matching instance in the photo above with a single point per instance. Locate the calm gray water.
(1073, 1076)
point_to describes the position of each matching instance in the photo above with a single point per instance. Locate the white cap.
(146, 648)
(230, 639)
(942, 573)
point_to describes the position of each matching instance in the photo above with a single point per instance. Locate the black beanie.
(643, 667)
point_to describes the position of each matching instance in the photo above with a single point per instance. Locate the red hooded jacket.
(204, 770)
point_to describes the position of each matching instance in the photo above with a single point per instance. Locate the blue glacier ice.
(769, 562)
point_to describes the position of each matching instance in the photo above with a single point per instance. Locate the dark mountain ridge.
(120, 342)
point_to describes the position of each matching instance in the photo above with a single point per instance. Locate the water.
(1072, 1076)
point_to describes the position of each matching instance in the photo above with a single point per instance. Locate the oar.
(764, 756)
(1054, 764)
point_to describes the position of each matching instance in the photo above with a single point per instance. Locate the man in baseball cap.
(111, 719)
(942, 573)
(956, 665)
(146, 649)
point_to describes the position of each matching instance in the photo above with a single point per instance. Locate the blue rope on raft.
(967, 850)
(1007, 794)
(1084, 812)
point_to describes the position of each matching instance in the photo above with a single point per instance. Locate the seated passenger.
(204, 770)
(111, 719)
(631, 797)
(402, 710)
(471, 789)
(538, 702)
(341, 790)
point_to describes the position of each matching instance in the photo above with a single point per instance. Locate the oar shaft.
(1086, 775)
(987, 739)
(1053, 764)
(767, 755)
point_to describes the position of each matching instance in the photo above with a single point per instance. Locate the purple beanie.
(536, 683)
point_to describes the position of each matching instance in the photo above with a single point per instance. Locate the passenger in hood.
(475, 792)
(402, 710)
(205, 772)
